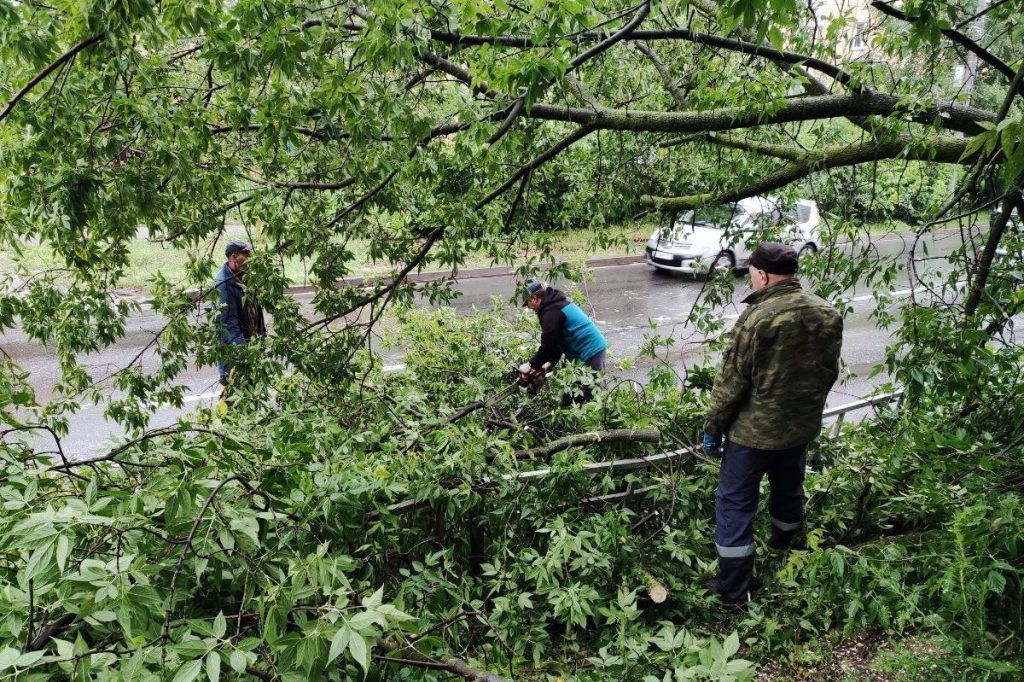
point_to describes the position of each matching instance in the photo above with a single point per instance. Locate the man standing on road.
(767, 403)
(565, 330)
(240, 318)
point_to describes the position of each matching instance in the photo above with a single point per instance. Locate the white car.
(716, 238)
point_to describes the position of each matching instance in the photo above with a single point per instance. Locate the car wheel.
(807, 250)
(724, 264)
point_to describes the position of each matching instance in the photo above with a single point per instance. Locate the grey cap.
(533, 287)
(234, 247)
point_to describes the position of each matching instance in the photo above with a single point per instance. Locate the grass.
(148, 258)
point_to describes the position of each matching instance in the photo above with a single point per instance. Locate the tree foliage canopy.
(337, 517)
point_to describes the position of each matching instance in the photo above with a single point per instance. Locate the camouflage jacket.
(777, 371)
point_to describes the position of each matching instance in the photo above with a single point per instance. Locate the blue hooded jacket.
(238, 320)
(565, 330)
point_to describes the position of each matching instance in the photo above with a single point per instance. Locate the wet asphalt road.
(623, 300)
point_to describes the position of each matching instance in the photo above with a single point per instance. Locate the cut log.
(655, 589)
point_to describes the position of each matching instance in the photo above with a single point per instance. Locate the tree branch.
(308, 132)
(777, 151)
(460, 74)
(614, 38)
(432, 238)
(988, 255)
(956, 36)
(663, 71)
(951, 116)
(55, 64)
(156, 433)
(942, 150)
(411, 656)
(192, 534)
(322, 186)
(675, 33)
(548, 154)
(517, 107)
(52, 630)
(592, 438)
(582, 94)
(611, 468)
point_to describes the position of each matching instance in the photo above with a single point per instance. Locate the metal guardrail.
(840, 411)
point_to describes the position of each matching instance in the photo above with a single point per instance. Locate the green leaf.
(38, 562)
(360, 652)
(134, 667)
(28, 659)
(213, 666)
(996, 582)
(189, 671)
(8, 656)
(364, 622)
(338, 643)
(731, 644)
(65, 649)
(375, 598)
(220, 626)
(63, 551)
(238, 661)
(974, 145)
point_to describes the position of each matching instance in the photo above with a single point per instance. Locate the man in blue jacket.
(240, 318)
(565, 330)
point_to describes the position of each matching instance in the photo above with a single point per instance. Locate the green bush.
(262, 536)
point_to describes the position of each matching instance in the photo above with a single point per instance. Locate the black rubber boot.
(780, 540)
(734, 577)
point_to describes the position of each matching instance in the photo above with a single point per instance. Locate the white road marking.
(202, 396)
(871, 297)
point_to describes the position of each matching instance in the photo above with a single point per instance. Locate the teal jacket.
(565, 330)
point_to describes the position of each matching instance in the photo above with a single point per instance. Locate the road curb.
(468, 273)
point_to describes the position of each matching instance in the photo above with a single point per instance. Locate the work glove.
(713, 445)
(527, 374)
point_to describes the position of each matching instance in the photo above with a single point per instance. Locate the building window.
(859, 41)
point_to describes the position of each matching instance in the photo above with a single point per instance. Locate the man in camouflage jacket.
(767, 403)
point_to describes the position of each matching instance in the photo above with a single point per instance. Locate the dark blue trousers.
(736, 503)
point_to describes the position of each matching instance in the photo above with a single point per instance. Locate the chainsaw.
(534, 380)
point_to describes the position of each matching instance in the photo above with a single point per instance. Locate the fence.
(839, 412)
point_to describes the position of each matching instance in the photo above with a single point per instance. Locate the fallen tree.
(268, 535)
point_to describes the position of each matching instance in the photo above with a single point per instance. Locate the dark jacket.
(778, 369)
(565, 330)
(239, 319)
